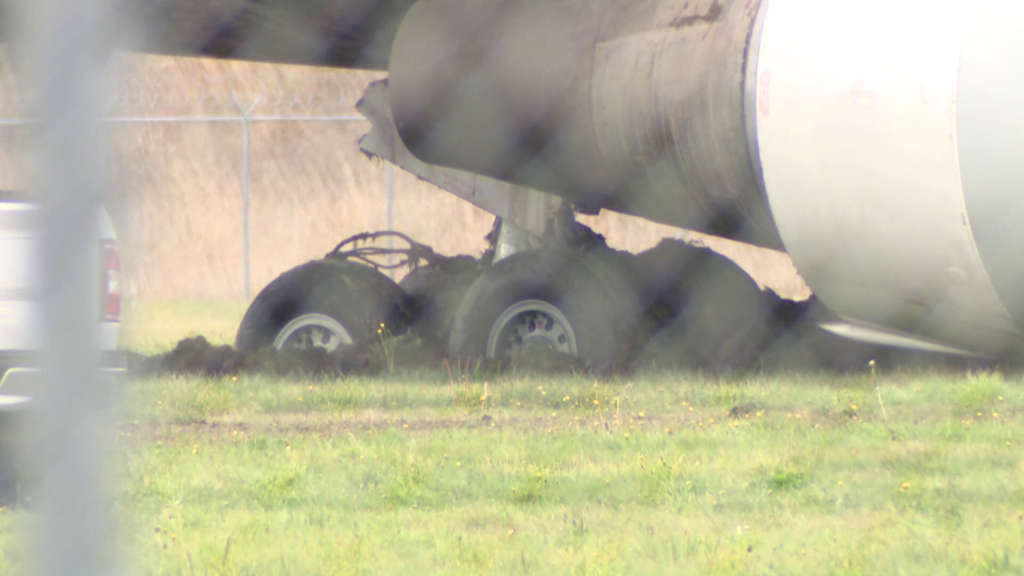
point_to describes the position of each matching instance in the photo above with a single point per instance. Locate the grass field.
(431, 473)
(670, 474)
(154, 327)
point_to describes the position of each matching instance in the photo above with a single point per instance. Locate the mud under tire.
(805, 345)
(590, 289)
(358, 297)
(718, 319)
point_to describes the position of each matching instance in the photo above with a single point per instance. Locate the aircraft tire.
(435, 292)
(713, 316)
(579, 303)
(335, 301)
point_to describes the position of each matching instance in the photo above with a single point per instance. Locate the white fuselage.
(889, 136)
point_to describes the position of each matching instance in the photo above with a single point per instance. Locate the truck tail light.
(110, 278)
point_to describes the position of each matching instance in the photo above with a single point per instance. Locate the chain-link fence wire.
(179, 171)
(153, 87)
(177, 128)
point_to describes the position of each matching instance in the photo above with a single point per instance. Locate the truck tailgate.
(19, 277)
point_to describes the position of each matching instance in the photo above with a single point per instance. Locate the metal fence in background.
(133, 102)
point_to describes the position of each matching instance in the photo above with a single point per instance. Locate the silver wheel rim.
(527, 324)
(312, 331)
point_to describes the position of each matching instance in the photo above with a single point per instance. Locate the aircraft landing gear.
(572, 302)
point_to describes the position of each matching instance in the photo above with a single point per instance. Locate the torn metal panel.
(526, 208)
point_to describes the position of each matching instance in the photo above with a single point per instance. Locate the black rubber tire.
(435, 292)
(713, 316)
(591, 289)
(360, 298)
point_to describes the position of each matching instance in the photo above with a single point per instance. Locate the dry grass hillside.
(177, 192)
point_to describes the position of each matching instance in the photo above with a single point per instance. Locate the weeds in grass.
(187, 400)
(409, 487)
(786, 479)
(661, 483)
(278, 487)
(484, 397)
(881, 405)
(981, 390)
(531, 488)
(472, 370)
(387, 348)
(463, 394)
(557, 485)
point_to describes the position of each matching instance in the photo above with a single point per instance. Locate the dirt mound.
(196, 356)
(797, 344)
(406, 354)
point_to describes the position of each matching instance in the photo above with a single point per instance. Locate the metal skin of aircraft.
(877, 142)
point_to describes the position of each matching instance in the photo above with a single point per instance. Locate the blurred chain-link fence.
(226, 174)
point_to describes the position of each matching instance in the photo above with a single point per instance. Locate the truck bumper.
(22, 377)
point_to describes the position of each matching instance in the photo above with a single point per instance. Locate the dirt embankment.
(403, 354)
(408, 354)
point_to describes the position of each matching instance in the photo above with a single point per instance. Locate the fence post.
(246, 277)
(246, 117)
(73, 529)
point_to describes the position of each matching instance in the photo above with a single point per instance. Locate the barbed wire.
(187, 87)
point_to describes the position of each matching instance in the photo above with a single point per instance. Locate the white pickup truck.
(20, 309)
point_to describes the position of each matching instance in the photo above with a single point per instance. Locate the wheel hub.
(531, 325)
(313, 331)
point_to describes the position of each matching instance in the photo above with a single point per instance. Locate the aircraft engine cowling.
(634, 106)
(885, 136)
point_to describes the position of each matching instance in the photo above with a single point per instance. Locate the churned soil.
(406, 354)
(196, 356)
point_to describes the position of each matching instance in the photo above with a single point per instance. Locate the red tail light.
(110, 294)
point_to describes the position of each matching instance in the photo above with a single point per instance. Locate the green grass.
(150, 327)
(661, 474)
(900, 473)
